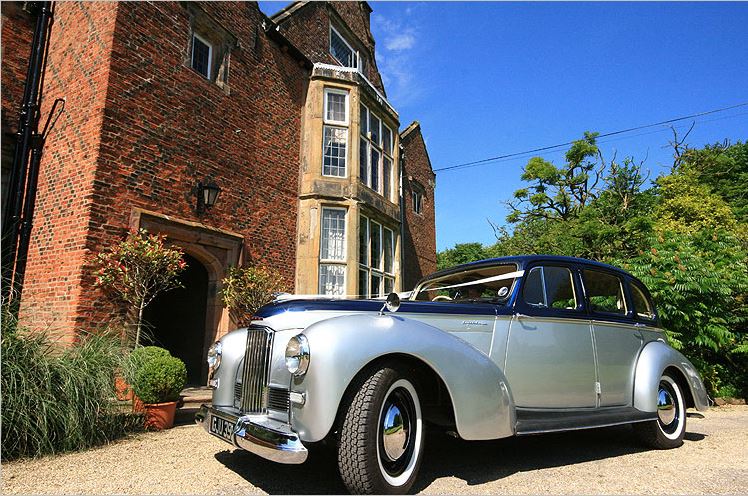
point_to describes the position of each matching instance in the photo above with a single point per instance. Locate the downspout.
(401, 160)
(24, 176)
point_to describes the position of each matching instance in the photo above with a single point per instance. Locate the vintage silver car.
(491, 349)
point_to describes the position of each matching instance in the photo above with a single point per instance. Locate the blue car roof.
(523, 261)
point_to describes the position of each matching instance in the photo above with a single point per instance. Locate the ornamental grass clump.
(136, 270)
(57, 399)
(159, 378)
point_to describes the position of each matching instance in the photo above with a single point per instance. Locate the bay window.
(376, 154)
(332, 252)
(335, 133)
(376, 259)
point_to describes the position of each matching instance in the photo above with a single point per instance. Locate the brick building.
(164, 96)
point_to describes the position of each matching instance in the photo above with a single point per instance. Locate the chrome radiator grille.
(256, 367)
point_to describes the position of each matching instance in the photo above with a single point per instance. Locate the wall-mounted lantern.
(207, 195)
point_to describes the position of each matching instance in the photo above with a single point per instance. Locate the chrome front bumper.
(257, 434)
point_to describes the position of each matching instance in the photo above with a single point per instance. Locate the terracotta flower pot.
(137, 404)
(159, 416)
(122, 389)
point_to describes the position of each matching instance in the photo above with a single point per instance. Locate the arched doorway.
(176, 319)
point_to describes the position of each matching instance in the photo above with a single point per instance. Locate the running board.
(541, 421)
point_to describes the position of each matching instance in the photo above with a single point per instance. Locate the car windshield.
(491, 284)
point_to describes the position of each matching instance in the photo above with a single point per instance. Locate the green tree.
(246, 289)
(699, 281)
(558, 192)
(460, 254)
(724, 169)
(136, 270)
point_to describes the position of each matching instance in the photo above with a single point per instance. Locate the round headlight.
(214, 355)
(297, 355)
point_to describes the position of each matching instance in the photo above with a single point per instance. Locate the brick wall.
(78, 70)
(15, 48)
(419, 240)
(142, 128)
(308, 29)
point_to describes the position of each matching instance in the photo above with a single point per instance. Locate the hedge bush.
(160, 379)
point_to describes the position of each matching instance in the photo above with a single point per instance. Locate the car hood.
(298, 313)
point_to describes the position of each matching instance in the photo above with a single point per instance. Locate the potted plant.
(159, 379)
(246, 289)
(136, 270)
(135, 361)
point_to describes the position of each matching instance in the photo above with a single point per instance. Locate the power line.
(604, 135)
(523, 155)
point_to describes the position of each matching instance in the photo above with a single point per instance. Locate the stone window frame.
(220, 40)
(337, 262)
(418, 194)
(371, 145)
(380, 271)
(359, 59)
(334, 125)
(210, 54)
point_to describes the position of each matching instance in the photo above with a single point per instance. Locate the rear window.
(604, 292)
(642, 306)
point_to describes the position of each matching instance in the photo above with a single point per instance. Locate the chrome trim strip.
(258, 434)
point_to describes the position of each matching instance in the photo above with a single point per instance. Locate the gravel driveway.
(186, 460)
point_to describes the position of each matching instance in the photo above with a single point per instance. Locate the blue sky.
(488, 79)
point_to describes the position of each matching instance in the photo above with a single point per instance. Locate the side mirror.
(392, 303)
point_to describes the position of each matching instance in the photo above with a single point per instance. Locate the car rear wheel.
(381, 441)
(670, 427)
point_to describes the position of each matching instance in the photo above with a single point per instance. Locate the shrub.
(136, 270)
(160, 379)
(246, 289)
(57, 399)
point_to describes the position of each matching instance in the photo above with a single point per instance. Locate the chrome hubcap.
(397, 431)
(665, 407)
(394, 433)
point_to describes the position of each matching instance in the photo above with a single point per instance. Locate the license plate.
(222, 428)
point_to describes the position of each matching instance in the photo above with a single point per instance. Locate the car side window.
(550, 287)
(604, 292)
(642, 305)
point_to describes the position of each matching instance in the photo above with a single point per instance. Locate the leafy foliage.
(138, 269)
(246, 289)
(686, 238)
(558, 192)
(159, 378)
(460, 254)
(57, 399)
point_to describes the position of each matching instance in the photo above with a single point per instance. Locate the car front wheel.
(381, 441)
(670, 427)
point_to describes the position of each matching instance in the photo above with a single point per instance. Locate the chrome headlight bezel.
(297, 355)
(214, 357)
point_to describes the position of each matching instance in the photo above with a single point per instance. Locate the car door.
(550, 357)
(616, 333)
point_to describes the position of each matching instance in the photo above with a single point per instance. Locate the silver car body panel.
(655, 358)
(617, 347)
(341, 347)
(543, 353)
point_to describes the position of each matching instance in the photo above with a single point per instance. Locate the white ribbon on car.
(500, 277)
(404, 294)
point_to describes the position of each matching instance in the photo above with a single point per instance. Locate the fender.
(655, 357)
(341, 347)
